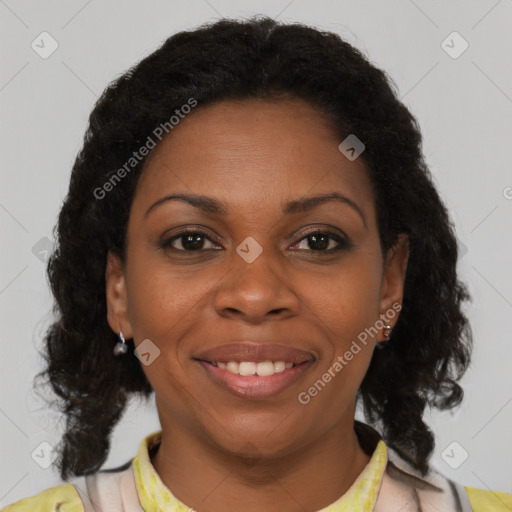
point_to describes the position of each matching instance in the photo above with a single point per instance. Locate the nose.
(256, 292)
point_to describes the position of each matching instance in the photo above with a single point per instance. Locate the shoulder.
(484, 501)
(62, 498)
(111, 490)
(436, 491)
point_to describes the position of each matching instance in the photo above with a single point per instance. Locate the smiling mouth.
(250, 368)
(254, 381)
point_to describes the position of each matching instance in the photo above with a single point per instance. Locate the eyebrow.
(213, 206)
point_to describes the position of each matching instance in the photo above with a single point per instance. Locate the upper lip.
(255, 352)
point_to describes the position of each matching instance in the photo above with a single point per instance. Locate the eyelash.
(342, 242)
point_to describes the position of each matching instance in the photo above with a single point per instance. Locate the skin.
(218, 450)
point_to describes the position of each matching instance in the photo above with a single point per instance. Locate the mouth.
(248, 368)
(253, 386)
(255, 371)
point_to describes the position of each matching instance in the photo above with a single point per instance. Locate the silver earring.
(121, 346)
(387, 331)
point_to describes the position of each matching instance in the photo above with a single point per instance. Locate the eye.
(187, 241)
(321, 241)
(194, 240)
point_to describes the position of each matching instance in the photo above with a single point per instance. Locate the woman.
(251, 232)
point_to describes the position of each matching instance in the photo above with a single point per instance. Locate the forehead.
(251, 153)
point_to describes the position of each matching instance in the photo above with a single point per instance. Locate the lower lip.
(255, 387)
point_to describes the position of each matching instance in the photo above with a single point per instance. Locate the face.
(264, 265)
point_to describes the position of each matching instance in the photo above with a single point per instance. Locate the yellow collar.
(154, 496)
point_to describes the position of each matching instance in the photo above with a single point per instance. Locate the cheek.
(344, 315)
(345, 302)
(162, 307)
(161, 299)
(166, 304)
(344, 306)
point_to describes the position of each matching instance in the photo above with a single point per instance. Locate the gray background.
(464, 106)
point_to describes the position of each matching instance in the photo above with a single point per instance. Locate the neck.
(202, 475)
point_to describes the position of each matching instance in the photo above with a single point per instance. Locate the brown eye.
(322, 241)
(187, 241)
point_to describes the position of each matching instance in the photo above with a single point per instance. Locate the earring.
(387, 332)
(121, 346)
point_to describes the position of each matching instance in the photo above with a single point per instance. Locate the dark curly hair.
(430, 347)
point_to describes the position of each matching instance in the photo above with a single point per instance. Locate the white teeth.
(264, 369)
(232, 367)
(247, 368)
(279, 366)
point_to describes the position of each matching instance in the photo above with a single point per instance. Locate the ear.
(393, 280)
(116, 296)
